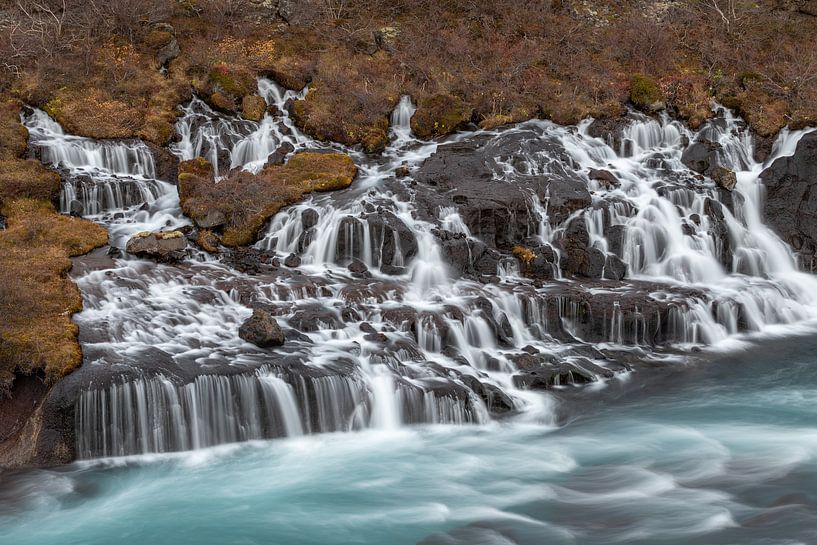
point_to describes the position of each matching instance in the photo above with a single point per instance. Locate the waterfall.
(401, 119)
(389, 315)
(157, 415)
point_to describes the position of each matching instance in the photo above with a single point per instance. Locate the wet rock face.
(163, 246)
(261, 329)
(701, 156)
(492, 186)
(791, 197)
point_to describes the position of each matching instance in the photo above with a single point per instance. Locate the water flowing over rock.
(451, 279)
(790, 206)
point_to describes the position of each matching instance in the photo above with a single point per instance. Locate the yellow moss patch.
(37, 298)
(644, 91)
(525, 255)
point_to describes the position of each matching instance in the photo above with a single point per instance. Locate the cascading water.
(390, 314)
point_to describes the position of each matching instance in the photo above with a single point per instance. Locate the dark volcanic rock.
(167, 164)
(607, 178)
(261, 329)
(495, 205)
(292, 261)
(544, 376)
(163, 246)
(701, 156)
(791, 197)
(76, 208)
(609, 129)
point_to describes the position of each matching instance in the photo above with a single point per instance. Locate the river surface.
(720, 452)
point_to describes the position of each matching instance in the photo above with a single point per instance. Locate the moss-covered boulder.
(164, 246)
(645, 93)
(247, 200)
(439, 115)
(253, 107)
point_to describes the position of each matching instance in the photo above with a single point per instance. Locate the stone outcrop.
(162, 246)
(261, 329)
(791, 197)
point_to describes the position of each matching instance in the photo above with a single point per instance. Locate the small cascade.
(401, 119)
(149, 415)
(98, 176)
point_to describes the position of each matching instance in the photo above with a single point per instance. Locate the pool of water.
(715, 453)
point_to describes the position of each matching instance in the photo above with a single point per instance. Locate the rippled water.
(716, 453)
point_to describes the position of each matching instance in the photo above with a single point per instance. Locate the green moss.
(232, 81)
(644, 91)
(439, 115)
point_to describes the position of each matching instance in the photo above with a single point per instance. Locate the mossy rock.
(439, 115)
(253, 107)
(222, 102)
(645, 93)
(235, 81)
(245, 201)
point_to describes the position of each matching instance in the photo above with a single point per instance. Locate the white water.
(414, 342)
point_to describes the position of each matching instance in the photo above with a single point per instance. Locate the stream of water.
(720, 453)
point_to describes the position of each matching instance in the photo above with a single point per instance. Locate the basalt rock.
(605, 177)
(702, 156)
(791, 197)
(261, 329)
(496, 206)
(161, 246)
(724, 177)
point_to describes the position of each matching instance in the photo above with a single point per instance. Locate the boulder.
(605, 177)
(253, 107)
(701, 156)
(724, 177)
(76, 208)
(162, 246)
(614, 268)
(292, 261)
(261, 329)
(791, 197)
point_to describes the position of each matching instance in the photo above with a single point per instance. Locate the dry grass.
(37, 298)
(493, 62)
(248, 200)
(19, 177)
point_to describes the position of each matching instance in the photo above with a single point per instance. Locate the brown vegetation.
(95, 65)
(242, 202)
(37, 298)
